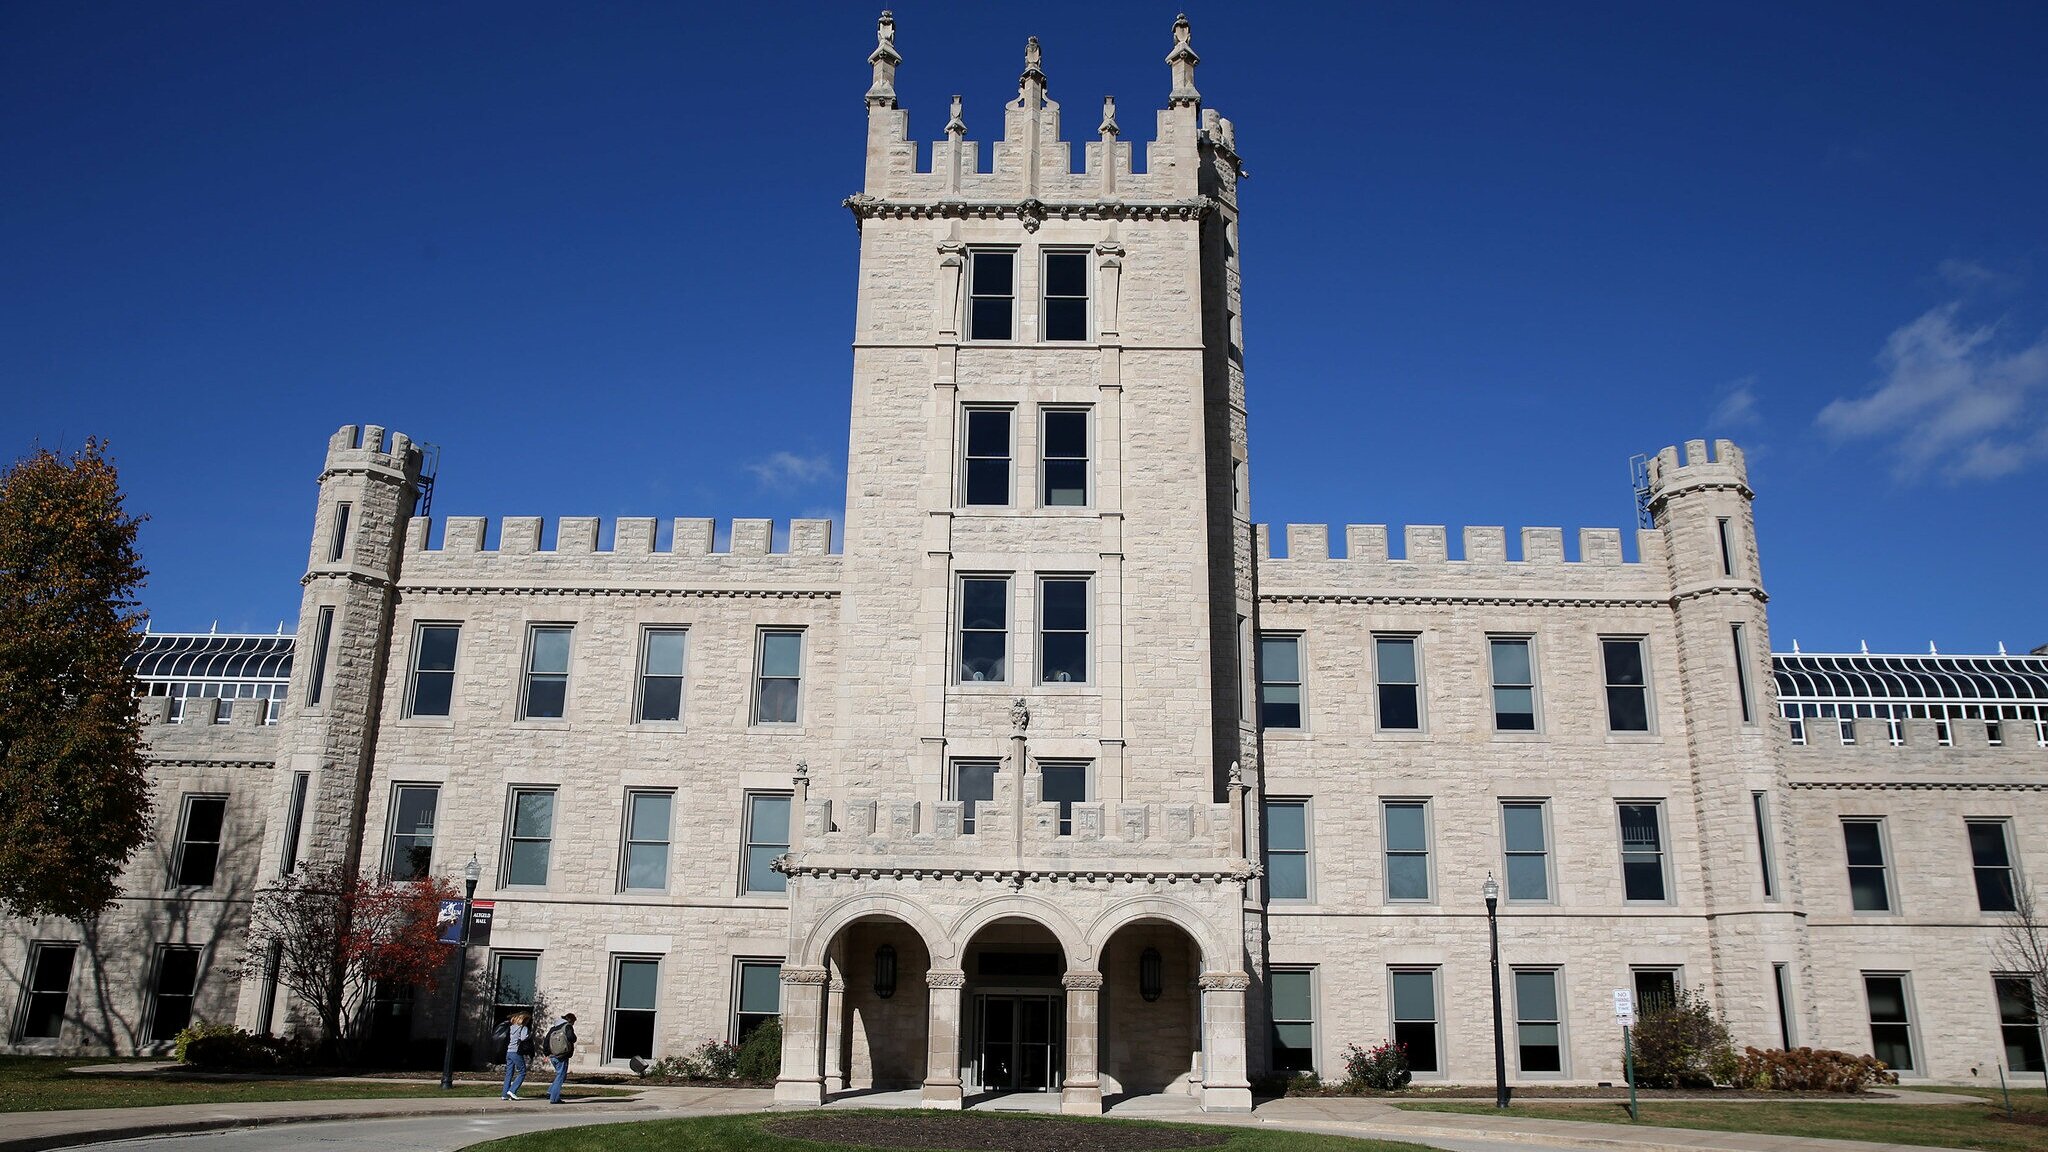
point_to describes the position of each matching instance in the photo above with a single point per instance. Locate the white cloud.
(1972, 276)
(1951, 399)
(786, 470)
(1737, 407)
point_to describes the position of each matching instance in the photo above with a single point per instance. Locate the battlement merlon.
(750, 562)
(371, 448)
(1671, 476)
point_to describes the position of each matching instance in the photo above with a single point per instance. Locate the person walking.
(560, 1045)
(518, 1046)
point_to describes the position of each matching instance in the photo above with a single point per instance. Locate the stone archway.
(877, 1007)
(1151, 1009)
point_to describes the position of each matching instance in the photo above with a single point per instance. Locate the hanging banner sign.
(448, 922)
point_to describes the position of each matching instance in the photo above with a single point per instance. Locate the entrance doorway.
(1018, 1041)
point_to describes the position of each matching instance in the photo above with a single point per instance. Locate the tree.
(1682, 1043)
(74, 788)
(320, 920)
(2021, 949)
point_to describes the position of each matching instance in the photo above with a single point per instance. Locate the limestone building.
(1053, 775)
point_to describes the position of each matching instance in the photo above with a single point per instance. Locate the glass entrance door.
(1017, 1042)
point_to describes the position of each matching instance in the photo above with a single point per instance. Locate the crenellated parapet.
(372, 448)
(635, 555)
(1671, 475)
(1601, 573)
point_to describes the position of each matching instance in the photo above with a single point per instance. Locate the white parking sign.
(1624, 1007)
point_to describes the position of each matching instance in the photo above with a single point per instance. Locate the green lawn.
(45, 1083)
(727, 1133)
(1945, 1126)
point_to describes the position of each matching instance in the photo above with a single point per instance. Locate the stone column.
(942, 1038)
(1082, 1093)
(1224, 1087)
(802, 1081)
(835, 1031)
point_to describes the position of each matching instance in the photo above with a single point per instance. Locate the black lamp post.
(1491, 891)
(471, 873)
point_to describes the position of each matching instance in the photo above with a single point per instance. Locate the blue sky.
(596, 253)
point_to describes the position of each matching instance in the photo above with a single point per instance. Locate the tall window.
(1869, 887)
(1760, 807)
(1065, 783)
(1725, 531)
(323, 635)
(1400, 689)
(1407, 835)
(514, 976)
(778, 676)
(661, 674)
(1526, 837)
(411, 853)
(1292, 992)
(631, 1031)
(294, 817)
(1642, 852)
(433, 669)
(1063, 458)
(1781, 980)
(199, 841)
(1065, 315)
(1063, 630)
(767, 838)
(1279, 681)
(1991, 861)
(984, 629)
(1514, 685)
(757, 997)
(547, 673)
(337, 543)
(986, 477)
(177, 982)
(1287, 870)
(529, 837)
(992, 294)
(1539, 1021)
(2019, 1022)
(1416, 1026)
(973, 784)
(1742, 697)
(1891, 1020)
(1654, 987)
(647, 840)
(47, 991)
(1628, 687)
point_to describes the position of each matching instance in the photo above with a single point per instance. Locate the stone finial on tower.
(1183, 60)
(956, 128)
(882, 93)
(1108, 128)
(1033, 75)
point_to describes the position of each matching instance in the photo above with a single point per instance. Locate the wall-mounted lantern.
(885, 971)
(1151, 980)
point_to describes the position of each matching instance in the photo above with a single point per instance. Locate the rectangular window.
(985, 480)
(647, 841)
(1742, 697)
(337, 544)
(1063, 458)
(514, 976)
(1526, 838)
(992, 295)
(661, 674)
(1991, 860)
(1279, 681)
(1781, 979)
(1292, 993)
(1723, 529)
(411, 852)
(1407, 833)
(1654, 987)
(294, 817)
(47, 991)
(1760, 807)
(973, 783)
(1869, 887)
(1642, 852)
(1539, 1021)
(547, 673)
(1287, 870)
(1400, 688)
(1064, 783)
(1066, 295)
(199, 841)
(177, 982)
(1514, 685)
(1063, 630)
(323, 635)
(779, 676)
(1891, 1020)
(2019, 1023)
(433, 669)
(1416, 1026)
(757, 996)
(984, 629)
(631, 1028)
(529, 837)
(767, 838)
(1628, 688)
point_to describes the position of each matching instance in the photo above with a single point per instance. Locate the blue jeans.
(515, 1072)
(561, 1077)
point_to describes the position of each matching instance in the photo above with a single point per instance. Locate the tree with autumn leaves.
(74, 788)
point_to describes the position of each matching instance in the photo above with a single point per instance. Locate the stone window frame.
(1088, 787)
(1766, 844)
(1648, 687)
(1665, 872)
(184, 843)
(1307, 851)
(1415, 640)
(1542, 805)
(2030, 995)
(1044, 253)
(735, 1017)
(951, 788)
(611, 1002)
(1010, 469)
(528, 676)
(294, 822)
(337, 538)
(414, 672)
(960, 630)
(398, 788)
(1299, 637)
(641, 677)
(1088, 486)
(155, 1021)
(510, 841)
(1788, 1014)
(761, 634)
(1435, 973)
(1910, 1022)
(1090, 621)
(32, 974)
(1562, 1022)
(2011, 868)
(1745, 694)
(1428, 850)
(316, 670)
(627, 842)
(501, 1007)
(967, 329)
(1637, 971)
(1314, 1021)
(1883, 865)
(748, 843)
(1493, 685)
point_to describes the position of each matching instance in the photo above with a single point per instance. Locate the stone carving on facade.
(1020, 716)
(945, 978)
(797, 974)
(1224, 981)
(1082, 981)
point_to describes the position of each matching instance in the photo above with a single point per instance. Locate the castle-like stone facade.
(1052, 776)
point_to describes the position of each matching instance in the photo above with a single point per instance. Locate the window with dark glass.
(2019, 1023)
(199, 841)
(986, 482)
(779, 676)
(1066, 295)
(47, 992)
(1514, 685)
(1064, 783)
(547, 673)
(530, 837)
(1760, 808)
(1642, 852)
(1415, 1018)
(1655, 987)
(1287, 870)
(1991, 861)
(973, 784)
(1539, 1021)
(338, 543)
(661, 673)
(1063, 458)
(1869, 888)
(1279, 681)
(1891, 1021)
(1781, 982)
(1063, 630)
(1407, 835)
(514, 976)
(323, 634)
(1400, 690)
(984, 629)
(647, 840)
(633, 1008)
(411, 855)
(1292, 995)
(1724, 530)
(1628, 690)
(294, 818)
(1526, 837)
(758, 997)
(1740, 640)
(177, 981)
(433, 669)
(767, 838)
(992, 295)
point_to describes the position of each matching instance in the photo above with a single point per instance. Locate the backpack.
(526, 1043)
(559, 1040)
(501, 1036)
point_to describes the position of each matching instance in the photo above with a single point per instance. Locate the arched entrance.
(877, 1007)
(1014, 1009)
(1151, 1006)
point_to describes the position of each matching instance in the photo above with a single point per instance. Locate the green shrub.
(1683, 1043)
(760, 1055)
(1381, 1068)
(1809, 1070)
(198, 1030)
(204, 1045)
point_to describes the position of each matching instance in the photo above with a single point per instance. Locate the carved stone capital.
(1082, 981)
(1224, 982)
(801, 975)
(945, 978)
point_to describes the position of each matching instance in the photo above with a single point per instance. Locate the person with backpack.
(561, 1045)
(517, 1040)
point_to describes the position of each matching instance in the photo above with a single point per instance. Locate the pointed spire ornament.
(1108, 128)
(1033, 74)
(1183, 60)
(882, 93)
(956, 127)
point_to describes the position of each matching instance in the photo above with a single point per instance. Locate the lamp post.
(471, 873)
(1491, 891)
